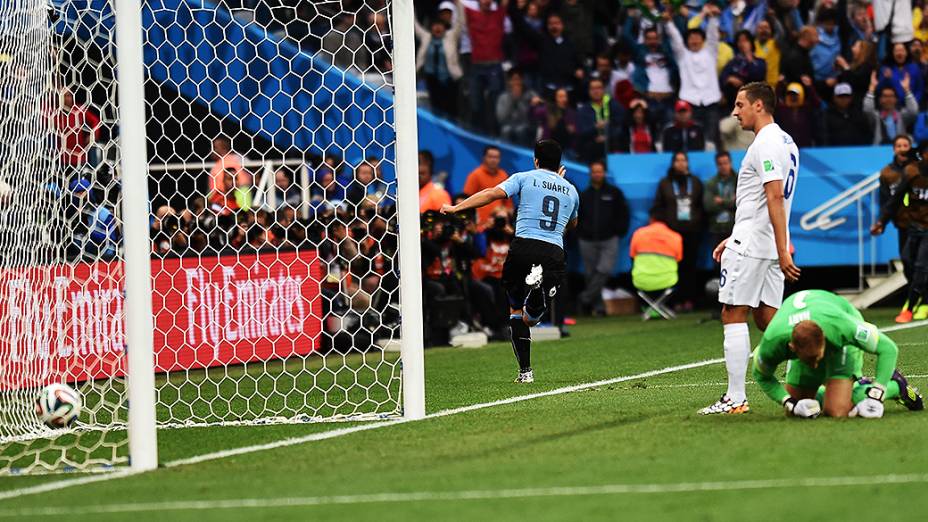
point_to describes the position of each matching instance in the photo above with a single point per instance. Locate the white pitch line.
(53, 486)
(426, 496)
(61, 484)
(708, 384)
(906, 326)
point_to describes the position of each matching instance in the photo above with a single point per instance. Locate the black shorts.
(523, 253)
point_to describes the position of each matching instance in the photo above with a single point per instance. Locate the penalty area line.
(331, 434)
(462, 495)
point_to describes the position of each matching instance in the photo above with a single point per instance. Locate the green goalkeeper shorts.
(846, 363)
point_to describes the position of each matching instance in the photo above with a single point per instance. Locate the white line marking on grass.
(425, 496)
(61, 484)
(708, 384)
(52, 486)
(906, 326)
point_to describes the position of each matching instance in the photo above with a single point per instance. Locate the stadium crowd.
(599, 77)
(641, 76)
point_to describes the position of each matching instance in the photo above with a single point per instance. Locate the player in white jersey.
(755, 258)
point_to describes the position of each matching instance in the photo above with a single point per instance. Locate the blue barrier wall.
(823, 173)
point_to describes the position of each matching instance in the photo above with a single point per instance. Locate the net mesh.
(273, 218)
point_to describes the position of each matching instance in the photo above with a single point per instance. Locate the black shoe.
(908, 396)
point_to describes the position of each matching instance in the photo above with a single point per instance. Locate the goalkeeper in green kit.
(823, 339)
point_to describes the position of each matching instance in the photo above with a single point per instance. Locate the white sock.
(737, 352)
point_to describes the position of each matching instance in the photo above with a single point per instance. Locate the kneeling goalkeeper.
(823, 338)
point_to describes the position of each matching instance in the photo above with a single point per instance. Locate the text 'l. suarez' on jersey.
(547, 202)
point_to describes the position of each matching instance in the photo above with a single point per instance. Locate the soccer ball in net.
(58, 405)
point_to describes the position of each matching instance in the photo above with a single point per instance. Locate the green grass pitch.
(634, 450)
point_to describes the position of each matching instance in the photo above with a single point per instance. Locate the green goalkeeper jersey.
(844, 329)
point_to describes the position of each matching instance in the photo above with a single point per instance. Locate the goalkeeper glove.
(872, 406)
(802, 408)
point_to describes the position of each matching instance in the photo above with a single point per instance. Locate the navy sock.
(521, 338)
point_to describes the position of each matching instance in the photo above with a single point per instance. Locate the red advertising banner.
(65, 323)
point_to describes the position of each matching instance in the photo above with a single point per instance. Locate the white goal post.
(228, 226)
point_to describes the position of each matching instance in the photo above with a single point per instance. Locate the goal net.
(273, 217)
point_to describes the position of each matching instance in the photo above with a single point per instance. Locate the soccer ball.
(58, 405)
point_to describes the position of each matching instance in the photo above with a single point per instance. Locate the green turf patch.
(643, 431)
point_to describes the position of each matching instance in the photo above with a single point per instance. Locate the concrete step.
(877, 293)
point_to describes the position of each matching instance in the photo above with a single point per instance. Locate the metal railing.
(822, 218)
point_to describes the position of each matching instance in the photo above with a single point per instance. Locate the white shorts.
(749, 281)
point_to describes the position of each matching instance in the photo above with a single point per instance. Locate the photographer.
(493, 245)
(167, 236)
(479, 295)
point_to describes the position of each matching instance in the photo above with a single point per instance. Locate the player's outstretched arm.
(478, 200)
(766, 379)
(869, 339)
(777, 212)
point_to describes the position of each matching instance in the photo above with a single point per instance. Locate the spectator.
(699, 81)
(679, 199)
(526, 54)
(513, 109)
(845, 124)
(891, 178)
(796, 111)
(920, 23)
(859, 71)
(77, 127)
(577, 18)
(796, 64)
(886, 119)
(919, 58)
(895, 18)
(222, 200)
(383, 191)
(602, 220)
(641, 17)
(768, 46)
(362, 184)
(485, 27)
(487, 175)
(558, 120)
(225, 160)
(438, 59)
(684, 134)
(344, 47)
(285, 192)
(622, 74)
(605, 71)
(719, 199)
(859, 27)
(656, 75)
(733, 136)
(827, 50)
(899, 66)
(743, 68)
(326, 192)
(599, 123)
(638, 136)
(559, 65)
(431, 196)
(94, 232)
